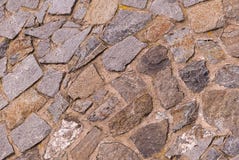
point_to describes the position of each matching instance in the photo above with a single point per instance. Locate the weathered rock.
(3, 102)
(167, 8)
(131, 115)
(46, 30)
(104, 110)
(135, 3)
(3, 67)
(86, 83)
(120, 55)
(14, 6)
(4, 44)
(101, 11)
(167, 89)
(62, 138)
(32, 154)
(125, 23)
(82, 106)
(28, 135)
(87, 145)
(211, 154)
(188, 3)
(228, 76)
(154, 60)
(231, 146)
(58, 107)
(231, 9)
(151, 138)
(116, 151)
(61, 6)
(129, 85)
(5, 147)
(40, 15)
(99, 95)
(195, 75)
(80, 12)
(43, 48)
(23, 76)
(63, 34)
(206, 16)
(184, 114)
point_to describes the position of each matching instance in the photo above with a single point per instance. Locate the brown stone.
(131, 116)
(32, 154)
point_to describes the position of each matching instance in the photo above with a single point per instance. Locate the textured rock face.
(231, 146)
(5, 147)
(188, 3)
(135, 3)
(14, 6)
(32, 154)
(61, 6)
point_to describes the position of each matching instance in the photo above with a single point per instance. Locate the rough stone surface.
(231, 9)
(211, 154)
(167, 8)
(80, 13)
(125, 23)
(82, 106)
(195, 75)
(4, 44)
(3, 102)
(43, 48)
(3, 67)
(231, 146)
(23, 76)
(14, 6)
(32, 154)
(188, 3)
(167, 88)
(116, 151)
(5, 147)
(61, 35)
(151, 138)
(120, 55)
(131, 115)
(61, 6)
(28, 135)
(135, 3)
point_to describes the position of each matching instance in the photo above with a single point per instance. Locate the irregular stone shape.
(43, 48)
(101, 11)
(99, 95)
(3, 67)
(64, 52)
(11, 26)
(104, 110)
(116, 151)
(231, 9)
(228, 76)
(195, 75)
(4, 44)
(154, 60)
(28, 135)
(151, 138)
(87, 145)
(58, 107)
(19, 109)
(184, 114)
(188, 3)
(40, 15)
(156, 29)
(135, 3)
(129, 85)
(131, 116)
(46, 30)
(220, 109)
(62, 138)
(230, 38)
(182, 44)
(3, 102)
(211, 50)
(167, 8)
(125, 23)
(86, 83)
(23, 76)
(32, 154)
(231, 146)
(50, 83)
(80, 13)
(211, 154)
(82, 106)
(14, 6)
(120, 55)
(5, 147)
(61, 6)
(70, 24)
(61, 35)
(206, 16)
(167, 89)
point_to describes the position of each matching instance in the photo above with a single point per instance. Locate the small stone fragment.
(129, 85)
(32, 154)
(154, 60)
(14, 6)
(29, 133)
(4, 44)
(167, 8)
(86, 83)
(80, 13)
(195, 75)
(135, 3)
(211, 154)
(23, 76)
(63, 34)
(131, 116)
(231, 146)
(188, 3)
(124, 24)
(116, 151)
(3, 67)
(167, 89)
(120, 55)
(61, 6)
(82, 106)
(5, 147)
(87, 145)
(3, 102)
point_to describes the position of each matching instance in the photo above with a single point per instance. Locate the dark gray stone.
(5, 147)
(231, 146)
(135, 3)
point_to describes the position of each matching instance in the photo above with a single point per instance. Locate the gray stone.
(188, 3)
(43, 48)
(5, 147)
(231, 146)
(70, 24)
(50, 83)
(42, 12)
(80, 13)
(125, 23)
(116, 151)
(3, 47)
(211, 154)
(99, 95)
(195, 75)
(151, 138)
(58, 107)
(14, 6)
(30, 133)
(3, 102)
(129, 85)
(169, 8)
(231, 9)
(2, 2)
(82, 106)
(46, 30)
(135, 3)
(3, 66)
(61, 6)
(121, 54)
(63, 34)
(23, 76)
(32, 154)
(228, 76)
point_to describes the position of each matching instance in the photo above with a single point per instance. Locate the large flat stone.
(5, 147)
(61, 6)
(23, 76)
(121, 54)
(14, 6)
